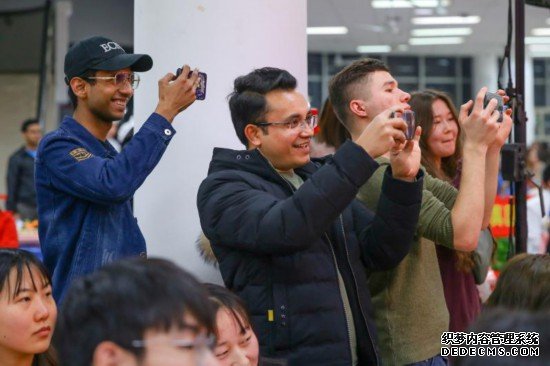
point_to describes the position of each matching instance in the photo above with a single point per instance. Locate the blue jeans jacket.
(84, 188)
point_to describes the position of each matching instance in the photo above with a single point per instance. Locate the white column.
(225, 39)
(485, 72)
(530, 100)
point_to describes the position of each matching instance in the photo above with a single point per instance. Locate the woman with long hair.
(27, 310)
(441, 147)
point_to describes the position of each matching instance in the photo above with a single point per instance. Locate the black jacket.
(20, 180)
(276, 247)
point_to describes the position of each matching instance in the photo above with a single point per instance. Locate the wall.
(225, 39)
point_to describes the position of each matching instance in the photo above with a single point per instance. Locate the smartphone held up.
(201, 88)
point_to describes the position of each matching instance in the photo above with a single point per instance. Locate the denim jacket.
(84, 188)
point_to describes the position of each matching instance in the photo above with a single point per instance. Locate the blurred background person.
(537, 225)
(27, 310)
(331, 133)
(20, 177)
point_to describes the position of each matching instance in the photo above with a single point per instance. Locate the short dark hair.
(121, 301)
(85, 75)
(26, 124)
(247, 101)
(524, 284)
(20, 260)
(222, 297)
(503, 320)
(340, 86)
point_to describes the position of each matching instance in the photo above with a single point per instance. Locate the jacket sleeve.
(12, 183)
(387, 237)
(238, 213)
(105, 180)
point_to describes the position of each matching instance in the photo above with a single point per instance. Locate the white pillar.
(485, 72)
(530, 100)
(225, 39)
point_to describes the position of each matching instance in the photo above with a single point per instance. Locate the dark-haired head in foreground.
(136, 312)
(532, 350)
(524, 284)
(27, 309)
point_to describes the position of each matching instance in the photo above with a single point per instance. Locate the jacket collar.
(252, 161)
(72, 126)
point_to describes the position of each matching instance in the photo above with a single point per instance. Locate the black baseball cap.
(100, 53)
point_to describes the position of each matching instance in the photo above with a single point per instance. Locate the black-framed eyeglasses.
(310, 122)
(200, 342)
(119, 79)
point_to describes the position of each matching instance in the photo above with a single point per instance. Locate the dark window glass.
(547, 123)
(440, 66)
(540, 95)
(466, 93)
(315, 93)
(403, 66)
(450, 89)
(408, 87)
(466, 67)
(314, 64)
(539, 67)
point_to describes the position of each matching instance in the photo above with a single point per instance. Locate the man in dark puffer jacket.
(289, 236)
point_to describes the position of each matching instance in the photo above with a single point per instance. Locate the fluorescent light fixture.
(423, 12)
(327, 30)
(441, 32)
(471, 19)
(403, 47)
(392, 4)
(389, 4)
(537, 40)
(540, 31)
(382, 48)
(539, 48)
(425, 41)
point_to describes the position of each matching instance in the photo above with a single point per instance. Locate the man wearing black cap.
(83, 185)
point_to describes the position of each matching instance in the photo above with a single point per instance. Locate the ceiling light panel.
(441, 32)
(471, 19)
(327, 30)
(426, 41)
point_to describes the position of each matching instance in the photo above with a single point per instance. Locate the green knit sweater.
(409, 303)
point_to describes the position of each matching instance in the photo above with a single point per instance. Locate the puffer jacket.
(278, 248)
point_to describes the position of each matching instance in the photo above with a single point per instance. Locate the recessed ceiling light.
(403, 47)
(471, 19)
(435, 41)
(327, 30)
(539, 48)
(423, 12)
(537, 40)
(381, 48)
(540, 31)
(392, 4)
(440, 32)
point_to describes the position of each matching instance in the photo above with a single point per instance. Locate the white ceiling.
(369, 26)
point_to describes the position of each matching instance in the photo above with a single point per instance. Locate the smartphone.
(500, 104)
(408, 117)
(200, 93)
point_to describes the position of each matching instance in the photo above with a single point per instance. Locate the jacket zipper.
(357, 289)
(340, 296)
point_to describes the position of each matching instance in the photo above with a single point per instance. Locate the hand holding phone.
(500, 103)
(408, 117)
(200, 93)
